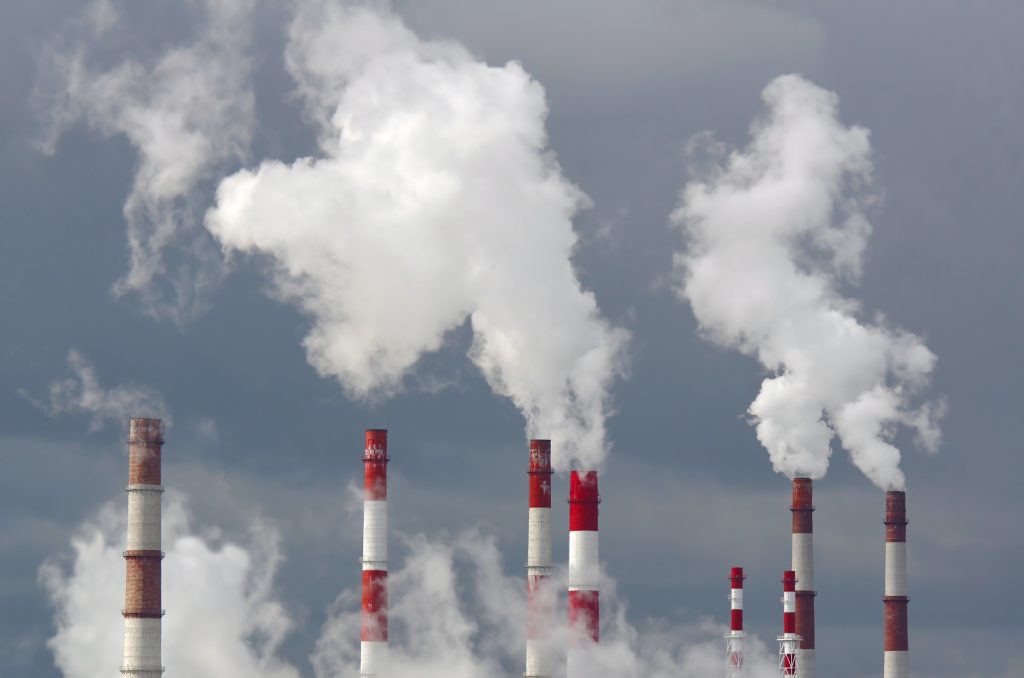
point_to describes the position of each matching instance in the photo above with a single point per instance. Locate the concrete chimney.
(789, 641)
(803, 565)
(735, 639)
(897, 655)
(584, 571)
(538, 562)
(142, 611)
(374, 636)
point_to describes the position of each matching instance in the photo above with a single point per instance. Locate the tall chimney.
(584, 571)
(897, 655)
(803, 565)
(142, 611)
(374, 638)
(538, 562)
(789, 641)
(734, 640)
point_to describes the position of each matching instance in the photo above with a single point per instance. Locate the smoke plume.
(185, 113)
(83, 393)
(455, 613)
(222, 619)
(772, 231)
(434, 201)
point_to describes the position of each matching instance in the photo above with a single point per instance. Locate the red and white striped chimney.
(789, 641)
(803, 565)
(897, 655)
(142, 611)
(584, 571)
(734, 640)
(374, 639)
(538, 562)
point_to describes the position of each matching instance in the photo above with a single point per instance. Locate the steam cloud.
(83, 393)
(202, 574)
(772, 231)
(435, 201)
(455, 614)
(185, 113)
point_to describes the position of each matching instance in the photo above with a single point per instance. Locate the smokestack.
(584, 595)
(789, 641)
(734, 640)
(538, 561)
(142, 611)
(374, 639)
(897, 655)
(803, 565)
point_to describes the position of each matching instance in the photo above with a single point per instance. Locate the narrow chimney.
(734, 640)
(142, 611)
(584, 571)
(897, 655)
(374, 638)
(789, 641)
(803, 565)
(538, 562)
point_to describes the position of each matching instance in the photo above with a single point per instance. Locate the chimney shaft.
(803, 565)
(374, 631)
(538, 562)
(142, 605)
(584, 571)
(735, 638)
(897, 655)
(789, 641)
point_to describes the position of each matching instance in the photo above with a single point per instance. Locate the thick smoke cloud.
(185, 113)
(434, 201)
(455, 613)
(772, 232)
(83, 394)
(222, 618)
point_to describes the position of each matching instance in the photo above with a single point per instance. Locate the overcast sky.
(259, 435)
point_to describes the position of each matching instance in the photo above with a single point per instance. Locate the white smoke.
(772, 232)
(83, 393)
(185, 113)
(222, 619)
(434, 201)
(455, 613)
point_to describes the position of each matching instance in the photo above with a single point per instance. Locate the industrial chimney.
(142, 611)
(789, 641)
(538, 562)
(374, 636)
(734, 640)
(803, 565)
(584, 571)
(897, 656)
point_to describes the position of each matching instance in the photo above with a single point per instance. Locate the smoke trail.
(185, 113)
(772, 231)
(84, 394)
(222, 618)
(455, 614)
(435, 201)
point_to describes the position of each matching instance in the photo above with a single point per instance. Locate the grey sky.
(687, 491)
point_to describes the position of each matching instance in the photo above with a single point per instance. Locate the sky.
(122, 292)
